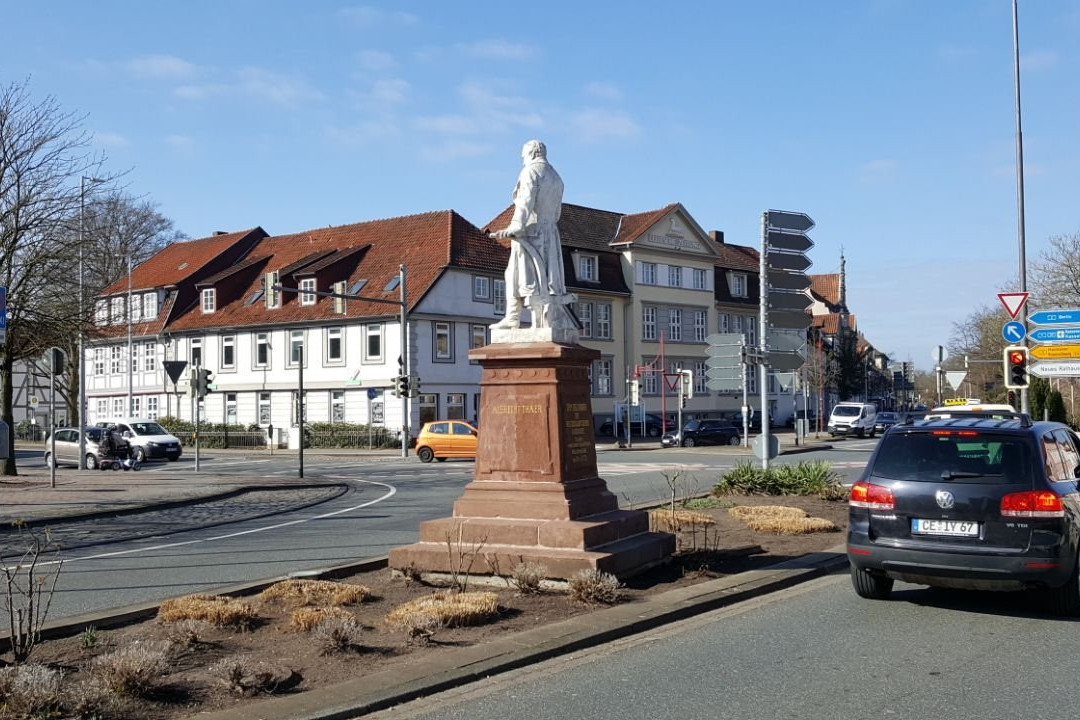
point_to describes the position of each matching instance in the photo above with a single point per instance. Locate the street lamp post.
(82, 318)
(130, 347)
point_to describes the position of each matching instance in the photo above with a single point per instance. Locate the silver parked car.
(67, 447)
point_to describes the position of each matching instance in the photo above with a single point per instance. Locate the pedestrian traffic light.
(1012, 398)
(1016, 367)
(202, 383)
(401, 386)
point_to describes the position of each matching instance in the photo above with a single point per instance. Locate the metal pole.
(195, 411)
(300, 408)
(52, 418)
(130, 348)
(1024, 406)
(763, 326)
(403, 321)
(82, 332)
(369, 422)
(745, 400)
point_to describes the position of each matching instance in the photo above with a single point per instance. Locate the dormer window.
(209, 300)
(307, 291)
(586, 268)
(149, 305)
(738, 284)
(117, 310)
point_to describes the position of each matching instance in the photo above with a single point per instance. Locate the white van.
(149, 441)
(852, 418)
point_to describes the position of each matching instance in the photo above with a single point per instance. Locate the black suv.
(703, 432)
(969, 503)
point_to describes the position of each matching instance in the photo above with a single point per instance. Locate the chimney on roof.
(221, 232)
(717, 236)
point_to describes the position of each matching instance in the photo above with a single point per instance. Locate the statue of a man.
(534, 275)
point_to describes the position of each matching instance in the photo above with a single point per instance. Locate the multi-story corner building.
(651, 287)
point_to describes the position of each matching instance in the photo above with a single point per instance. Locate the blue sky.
(890, 122)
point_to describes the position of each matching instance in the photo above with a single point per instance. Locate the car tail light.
(871, 496)
(1032, 504)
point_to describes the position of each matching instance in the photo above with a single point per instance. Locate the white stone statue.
(534, 275)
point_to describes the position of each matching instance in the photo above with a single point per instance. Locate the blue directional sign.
(1050, 335)
(1055, 317)
(372, 393)
(1013, 331)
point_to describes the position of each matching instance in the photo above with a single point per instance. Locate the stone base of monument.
(536, 496)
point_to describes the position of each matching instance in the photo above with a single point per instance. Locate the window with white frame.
(373, 342)
(674, 274)
(296, 347)
(337, 406)
(648, 323)
(230, 409)
(455, 406)
(307, 291)
(209, 300)
(264, 408)
(751, 330)
(736, 323)
(134, 360)
(481, 288)
(136, 405)
(149, 356)
(751, 379)
(584, 312)
(586, 267)
(116, 360)
(701, 325)
(117, 310)
(603, 321)
(700, 378)
(136, 309)
(648, 382)
(228, 352)
(602, 377)
(443, 345)
(262, 350)
(118, 406)
(149, 305)
(99, 361)
(699, 279)
(335, 348)
(498, 295)
(102, 409)
(724, 322)
(738, 284)
(101, 312)
(478, 337)
(152, 407)
(196, 352)
(648, 273)
(675, 325)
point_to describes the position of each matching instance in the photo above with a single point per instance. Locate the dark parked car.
(885, 420)
(654, 427)
(970, 503)
(703, 432)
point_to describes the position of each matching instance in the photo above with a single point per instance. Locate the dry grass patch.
(307, 619)
(132, 670)
(667, 521)
(214, 609)
(791, 525)
(743, 512)
(445, 609)
(315, 592)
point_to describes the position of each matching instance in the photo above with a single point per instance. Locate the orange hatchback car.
(446, 439)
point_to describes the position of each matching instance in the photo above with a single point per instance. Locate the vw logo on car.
(945, 499)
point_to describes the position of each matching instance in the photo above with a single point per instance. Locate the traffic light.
(414, 385)
(1012, 398)
(401, 386)
(1016, 367)
(202, 377)
(193, 383)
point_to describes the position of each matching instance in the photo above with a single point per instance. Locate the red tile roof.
(738, 257)
(826, 288)
(633, 226)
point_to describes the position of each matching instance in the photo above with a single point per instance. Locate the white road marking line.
(392, 491)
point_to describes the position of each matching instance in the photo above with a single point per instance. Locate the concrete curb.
(458, 667)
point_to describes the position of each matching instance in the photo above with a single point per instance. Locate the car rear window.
(963, 455)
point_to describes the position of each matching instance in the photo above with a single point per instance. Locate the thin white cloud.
(498, 49)
(162, 67)
(111, 139)
(594, 125)
(603, 91)
(200, 92)
(876, 171)
(1038, 60)
(448, 124)
(376, 60)
(179, 142)
(498, 108)
(955, 53)
(275, 87)
(389, 93)
(364, 133)
(367, 16)
(455, 150)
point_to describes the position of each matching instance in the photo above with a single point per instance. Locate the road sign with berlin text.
(1055, 317)
(1052, 335)
(1055, 352)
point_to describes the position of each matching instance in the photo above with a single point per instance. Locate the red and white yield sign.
(1013, 302)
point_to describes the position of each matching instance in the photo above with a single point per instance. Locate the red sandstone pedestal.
(536, 496)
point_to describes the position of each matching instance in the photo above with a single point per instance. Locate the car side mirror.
(127, 433)
(1076, 471)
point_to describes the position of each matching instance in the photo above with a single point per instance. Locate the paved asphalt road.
(384, 503)
(816, 651)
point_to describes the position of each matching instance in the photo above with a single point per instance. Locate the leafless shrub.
(90, 699)
(307, 619)
(411, 573)
(462, 555)
(338, 634)
(28, 590)
(315, 592)
(214, 609)
(132, 670)
(29, 691)
(527, 577)
(187, 633)
(592, 586)
(242, 675)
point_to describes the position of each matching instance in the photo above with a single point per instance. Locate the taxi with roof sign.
(970, 502)
(971, 407)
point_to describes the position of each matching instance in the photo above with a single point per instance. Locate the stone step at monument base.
(572, 500)
(622, 558)
(584, 534)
